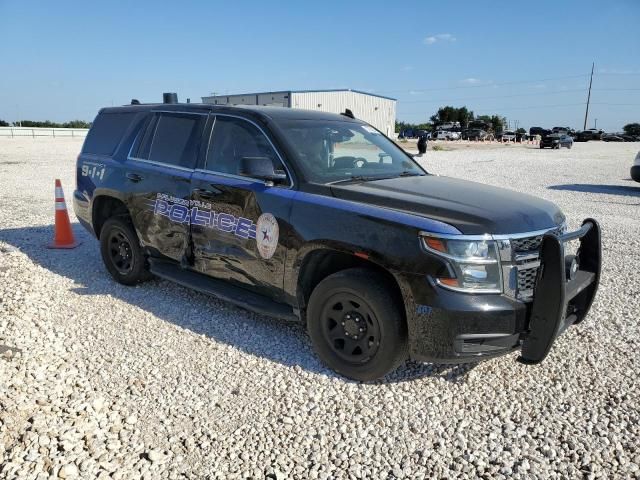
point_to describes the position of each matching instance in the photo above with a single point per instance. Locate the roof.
(275, 113)
(301, 91)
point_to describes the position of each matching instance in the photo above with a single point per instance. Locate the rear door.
(158, 173)
(240, 225)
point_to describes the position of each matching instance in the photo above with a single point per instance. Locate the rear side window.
(170, 138)
(106, 132)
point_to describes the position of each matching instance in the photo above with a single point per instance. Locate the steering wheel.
(349, 162)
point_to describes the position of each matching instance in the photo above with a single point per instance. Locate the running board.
(222, 290)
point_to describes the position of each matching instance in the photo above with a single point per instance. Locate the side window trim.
(205, 169)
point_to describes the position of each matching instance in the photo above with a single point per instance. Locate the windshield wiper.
(409, 173)
(354, 178)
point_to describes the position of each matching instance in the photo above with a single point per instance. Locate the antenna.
(586, 113)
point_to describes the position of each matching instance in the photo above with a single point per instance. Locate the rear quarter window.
(106, 132)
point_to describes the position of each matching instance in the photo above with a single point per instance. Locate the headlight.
(475, 265)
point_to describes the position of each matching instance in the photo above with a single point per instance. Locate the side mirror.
(260, 167)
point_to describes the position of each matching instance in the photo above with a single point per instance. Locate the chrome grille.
(528, 244)
(526, 282)
(525, 252)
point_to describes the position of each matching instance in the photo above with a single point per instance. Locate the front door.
(158, 174)
(239, 225)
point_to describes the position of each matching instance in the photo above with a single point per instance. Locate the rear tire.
(356, 325)
(121, 252)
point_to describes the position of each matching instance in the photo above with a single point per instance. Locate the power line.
(553, 92)
(549, 92)
(501, 109)
(518, 82)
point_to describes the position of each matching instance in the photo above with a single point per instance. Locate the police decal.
(267, 232)
(178, 210)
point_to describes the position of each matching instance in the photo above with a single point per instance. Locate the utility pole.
(595, 125)
(586, 113)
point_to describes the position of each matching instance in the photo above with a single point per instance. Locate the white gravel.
(160, 382)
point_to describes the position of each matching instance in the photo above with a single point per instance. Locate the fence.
(42, 132)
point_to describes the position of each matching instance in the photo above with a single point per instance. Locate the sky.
(527, 61)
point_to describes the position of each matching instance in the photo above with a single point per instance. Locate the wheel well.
(105, 207)
(319, 264)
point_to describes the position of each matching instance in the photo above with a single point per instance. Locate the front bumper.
(452, 327)
(562, 298)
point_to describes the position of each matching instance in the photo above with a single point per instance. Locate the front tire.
(121, 252)
(356, 325)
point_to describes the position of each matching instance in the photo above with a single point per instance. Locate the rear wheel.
(121, 252)
(356, 324)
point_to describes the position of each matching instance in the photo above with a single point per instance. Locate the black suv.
(320, 218)
(556, 140)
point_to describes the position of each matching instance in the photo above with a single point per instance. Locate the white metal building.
(377, 110)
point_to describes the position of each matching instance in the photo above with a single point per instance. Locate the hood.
(472, 208)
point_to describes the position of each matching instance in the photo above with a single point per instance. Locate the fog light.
(571, 266)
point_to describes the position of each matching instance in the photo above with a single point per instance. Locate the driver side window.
(231, 140)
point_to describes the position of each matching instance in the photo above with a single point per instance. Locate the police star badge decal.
(267, 232)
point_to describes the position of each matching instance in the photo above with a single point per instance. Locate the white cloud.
(470, 81)
(439, 37)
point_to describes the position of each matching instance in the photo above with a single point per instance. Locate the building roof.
(301, 91)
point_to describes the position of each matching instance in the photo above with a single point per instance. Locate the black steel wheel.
(356, 323)
(350, 328)
(121, 252)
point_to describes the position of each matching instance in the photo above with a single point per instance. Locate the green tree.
(632, 129)
(521, 130)
(4, 124)
(76, 124)
(495, 123)
(453, 114)
(400, 125)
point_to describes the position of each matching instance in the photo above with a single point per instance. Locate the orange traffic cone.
(63, 234)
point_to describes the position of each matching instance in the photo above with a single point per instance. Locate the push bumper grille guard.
(560, 301)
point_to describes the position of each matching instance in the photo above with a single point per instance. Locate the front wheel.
(357, 325)
(121, 252)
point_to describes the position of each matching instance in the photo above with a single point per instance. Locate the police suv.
(320, 218)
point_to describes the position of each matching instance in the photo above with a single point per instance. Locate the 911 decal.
(93, 170)
(194, 212)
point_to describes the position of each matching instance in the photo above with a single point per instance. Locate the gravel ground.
(157, 381)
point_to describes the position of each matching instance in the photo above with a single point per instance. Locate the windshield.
(334, 151)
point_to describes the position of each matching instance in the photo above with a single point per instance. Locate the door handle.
(206, 194)
(134, 177)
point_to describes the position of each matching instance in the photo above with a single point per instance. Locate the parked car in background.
(583, 136)
(556, 140)
(539, 131)
(446, 135)
(611, 137)
(635, 169)
(508, 136)
(477, 134)
(627, 138)
(595, 133)
(407, 133)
